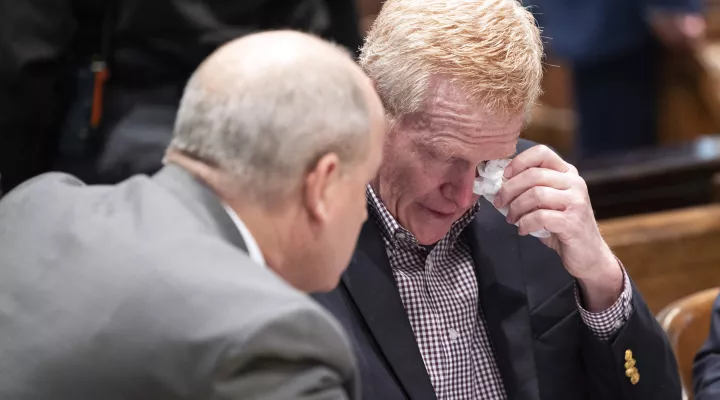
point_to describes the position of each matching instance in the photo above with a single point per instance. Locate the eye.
(433, 154)
(443, 158)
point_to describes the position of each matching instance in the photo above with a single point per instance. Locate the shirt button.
(429, 265)
(400, 236)
(454, 335)
(618, 324)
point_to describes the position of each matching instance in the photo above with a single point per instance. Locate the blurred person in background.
(614, 49)
(92, 87)
(190, 284)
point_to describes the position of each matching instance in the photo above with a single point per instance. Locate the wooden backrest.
(669, 255)
(687, 323)
(553, 119)
(712, 15)
(654, 179)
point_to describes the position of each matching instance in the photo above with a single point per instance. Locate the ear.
(319, 183)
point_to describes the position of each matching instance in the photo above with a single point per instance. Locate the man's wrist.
(602, 290)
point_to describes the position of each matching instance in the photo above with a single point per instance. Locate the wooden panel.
(670, 254)
(553, 120)
(552, 126)
(655, 179)
(712, 15)
(685, 109)
(687, 323)
(557, 84)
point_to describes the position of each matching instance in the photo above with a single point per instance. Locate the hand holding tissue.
(489, 182)
(540, 191)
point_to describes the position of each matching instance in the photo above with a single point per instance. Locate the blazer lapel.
(200, 201)
(503, 300)
(371, 284)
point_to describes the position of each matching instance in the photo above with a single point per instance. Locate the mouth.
(439, 214)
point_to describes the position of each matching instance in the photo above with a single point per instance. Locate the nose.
(459, 189)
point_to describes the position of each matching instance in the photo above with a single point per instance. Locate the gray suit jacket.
(144, 290)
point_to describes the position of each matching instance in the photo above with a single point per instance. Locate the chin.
(427, 236)
(428, 227)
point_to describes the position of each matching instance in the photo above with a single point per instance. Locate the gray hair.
(491, 48)
(275, 117)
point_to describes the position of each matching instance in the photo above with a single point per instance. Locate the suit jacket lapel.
(503, 300)
(371, 284)
(200, 201)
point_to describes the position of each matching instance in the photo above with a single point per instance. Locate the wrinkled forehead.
(451, 123)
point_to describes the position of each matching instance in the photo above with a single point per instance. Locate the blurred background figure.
(91, 87)
(614, 49)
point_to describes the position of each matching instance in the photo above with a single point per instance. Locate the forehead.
(452, 123)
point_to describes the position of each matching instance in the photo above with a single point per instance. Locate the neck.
(265, 227)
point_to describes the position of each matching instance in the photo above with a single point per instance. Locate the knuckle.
(539, 220)
(525, 223)
(535, 174)
(580, 183)
(543, 149)
(547, 152)
(538, 194)
(572, 169)
(511, 209)
(577, 201)
(544, 215)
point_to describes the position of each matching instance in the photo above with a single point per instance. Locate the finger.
(537, 157)
(538, 198)
(552, 221)
(530, 178)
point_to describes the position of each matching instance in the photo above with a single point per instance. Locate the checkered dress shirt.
(438, 288)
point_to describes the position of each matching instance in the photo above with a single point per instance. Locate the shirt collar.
(250, 243)
(392, 230)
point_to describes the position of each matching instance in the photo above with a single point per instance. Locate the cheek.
(415, 177)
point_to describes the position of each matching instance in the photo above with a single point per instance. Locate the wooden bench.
(654, 179)
(668, 254)
(687, 324)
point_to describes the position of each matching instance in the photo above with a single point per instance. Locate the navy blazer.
(543, 348)
(587, 30)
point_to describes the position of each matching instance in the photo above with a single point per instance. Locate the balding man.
(190, 284)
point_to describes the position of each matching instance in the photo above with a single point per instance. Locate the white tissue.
(489, 182)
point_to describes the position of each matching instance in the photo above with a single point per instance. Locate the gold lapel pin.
(630, 370)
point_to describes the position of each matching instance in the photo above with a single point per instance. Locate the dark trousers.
(616, 99)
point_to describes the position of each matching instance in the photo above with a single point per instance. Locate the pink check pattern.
(438, 288)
